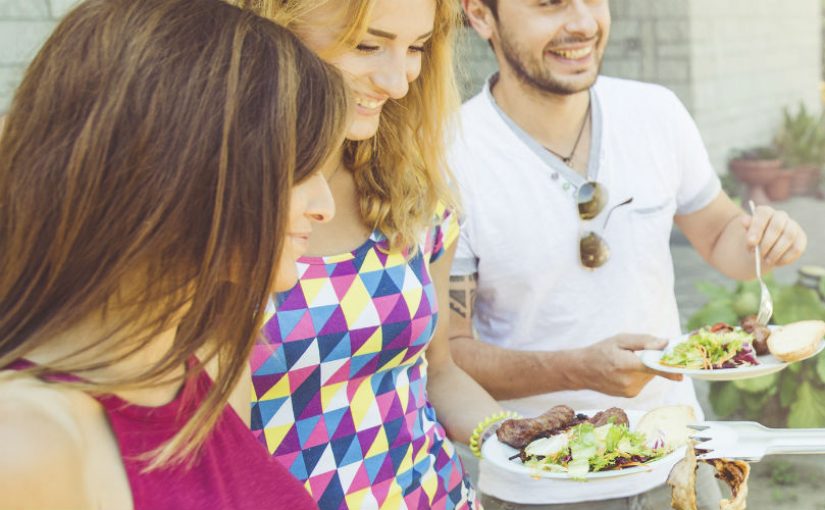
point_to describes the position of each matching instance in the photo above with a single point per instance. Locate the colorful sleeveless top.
(230, 472)
(340, 381)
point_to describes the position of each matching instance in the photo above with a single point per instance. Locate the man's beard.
(533, 74)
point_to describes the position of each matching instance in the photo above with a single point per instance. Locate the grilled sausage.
(519, 433)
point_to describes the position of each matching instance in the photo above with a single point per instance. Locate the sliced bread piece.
(667, 426)
(796, 341)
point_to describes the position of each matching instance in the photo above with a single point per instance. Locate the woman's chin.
(362, 130)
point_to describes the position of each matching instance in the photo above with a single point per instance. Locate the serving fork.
(750, 441)
(765, 301)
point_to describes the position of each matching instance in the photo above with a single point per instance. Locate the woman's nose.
(321, 206)
(393, 77)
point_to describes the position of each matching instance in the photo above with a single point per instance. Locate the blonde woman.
(153, 192)
(354, 363)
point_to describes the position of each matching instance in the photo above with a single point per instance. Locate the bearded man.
(571, 183)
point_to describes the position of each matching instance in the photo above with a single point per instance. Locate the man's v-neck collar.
(554, 162)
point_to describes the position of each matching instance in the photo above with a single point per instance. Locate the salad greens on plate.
(716, 347)
(586, 448)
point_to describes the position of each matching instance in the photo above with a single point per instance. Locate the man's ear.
(480, 16)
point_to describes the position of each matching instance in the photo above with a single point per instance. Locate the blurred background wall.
(24, 26)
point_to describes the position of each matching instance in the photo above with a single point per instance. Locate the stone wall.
(24, 26)
(749, 59)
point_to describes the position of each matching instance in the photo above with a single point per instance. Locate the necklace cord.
(568, 159)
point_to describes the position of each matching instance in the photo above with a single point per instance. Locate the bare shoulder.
(40, 440)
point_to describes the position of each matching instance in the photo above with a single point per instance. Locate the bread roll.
(796, 341)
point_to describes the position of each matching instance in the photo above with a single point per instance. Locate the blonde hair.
(401, 174)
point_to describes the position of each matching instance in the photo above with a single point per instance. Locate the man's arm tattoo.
(463, 294)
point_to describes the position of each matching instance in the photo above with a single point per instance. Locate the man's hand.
(612, 367)
(780, 238)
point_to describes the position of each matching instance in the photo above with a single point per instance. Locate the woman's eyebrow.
(389, 35)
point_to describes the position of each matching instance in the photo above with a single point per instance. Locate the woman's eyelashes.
(369, 48)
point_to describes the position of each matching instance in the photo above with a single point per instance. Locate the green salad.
(586, 448)
(713, 348)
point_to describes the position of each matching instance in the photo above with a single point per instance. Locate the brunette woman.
(160, 170)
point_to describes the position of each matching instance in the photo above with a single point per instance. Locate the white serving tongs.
(750, 441)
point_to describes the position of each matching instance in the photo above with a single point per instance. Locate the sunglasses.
(591, 199)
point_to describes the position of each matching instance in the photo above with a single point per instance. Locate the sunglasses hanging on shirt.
(591, 199)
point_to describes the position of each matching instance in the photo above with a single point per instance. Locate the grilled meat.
(613, 415)
(518, 433)
(760, 334)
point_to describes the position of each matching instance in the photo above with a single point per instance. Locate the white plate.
(767, 364)
(499, 454)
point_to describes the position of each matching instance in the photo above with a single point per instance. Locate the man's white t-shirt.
(521, 234)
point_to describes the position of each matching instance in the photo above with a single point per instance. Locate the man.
(560, 297)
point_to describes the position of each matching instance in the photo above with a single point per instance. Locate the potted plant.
(781, 187)
(756, 168)
(801, 143)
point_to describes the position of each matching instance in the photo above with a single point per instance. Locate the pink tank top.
(233, 471)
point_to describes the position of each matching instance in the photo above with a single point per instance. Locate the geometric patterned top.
(340, 381)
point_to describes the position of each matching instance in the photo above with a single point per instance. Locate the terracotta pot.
(805, 180)
(755, 172)
(779, 189)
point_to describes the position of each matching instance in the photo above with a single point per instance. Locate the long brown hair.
(152, 145)
(401, 174)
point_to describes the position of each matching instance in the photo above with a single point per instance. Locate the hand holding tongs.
(750, 441)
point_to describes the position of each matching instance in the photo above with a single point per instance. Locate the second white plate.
(767, 364)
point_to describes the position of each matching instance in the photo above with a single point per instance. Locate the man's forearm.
(507, 373)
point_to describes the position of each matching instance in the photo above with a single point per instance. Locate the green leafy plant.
(801, 139)
(794, 397)
(784, 473)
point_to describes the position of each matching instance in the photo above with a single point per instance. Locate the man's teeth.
(574, 54)
(367, 103)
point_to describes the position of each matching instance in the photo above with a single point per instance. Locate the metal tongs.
(749, 441)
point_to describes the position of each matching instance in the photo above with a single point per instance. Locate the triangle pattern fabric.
(340, 382)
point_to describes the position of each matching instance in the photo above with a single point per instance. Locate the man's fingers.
(758, 223)
(781, 246)
(666, 375)
(773, 233)
(641, 343)
(788, 247)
